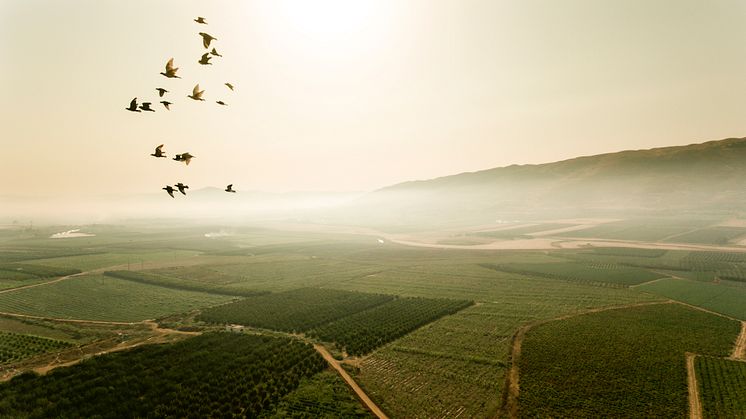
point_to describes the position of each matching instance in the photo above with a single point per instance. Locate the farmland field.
(361, 332)
(14, 347)
(597, 273)
(324, 395)
(97, 297)
(710, 235)
(721, 298)
(297, 310)
(333, 284)
(625, 362)
(215, 375)
(722, 385)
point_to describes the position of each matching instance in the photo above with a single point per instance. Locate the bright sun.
(328, 24)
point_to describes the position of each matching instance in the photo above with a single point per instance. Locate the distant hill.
(706, 177)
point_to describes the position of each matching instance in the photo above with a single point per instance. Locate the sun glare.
(327, 24)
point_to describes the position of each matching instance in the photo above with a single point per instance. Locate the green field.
(97, 297)
(347, 287)
(722, 387)
(106, 260)
(294, 311)
(324, 395)
(617, 363)
(589, 273)
(710, 235)
(361, 332)
(721, 298)
(180, 284)
(212, 375)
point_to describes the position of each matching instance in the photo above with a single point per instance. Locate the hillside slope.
(707, 177)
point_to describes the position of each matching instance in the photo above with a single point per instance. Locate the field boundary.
(695, 405)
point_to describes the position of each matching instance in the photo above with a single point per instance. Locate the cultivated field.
(426, 332)
(722, 387)
(617, 363)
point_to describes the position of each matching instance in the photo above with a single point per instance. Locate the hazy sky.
(355, 95)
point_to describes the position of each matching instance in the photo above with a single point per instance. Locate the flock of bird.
(196, 95)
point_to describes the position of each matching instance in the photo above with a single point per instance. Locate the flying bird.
(230, 86)
(196, 93)
(166, 104)
(146, 107)
(161, 91)
(206, 38)
(215, 52)
(186, 158)
(170, 70)
(158, 152)
(201, 20)
(133, 106)
(170, 190)
(229, 188)
(182, 187)
(220, 102)
(205, 60)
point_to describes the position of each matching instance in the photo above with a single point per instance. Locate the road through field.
(355, 387)
(739, 350)
(695, 407)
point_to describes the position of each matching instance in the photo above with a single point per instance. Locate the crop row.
(293, 311)
(722, 386)
(362, 332)
(212, 375)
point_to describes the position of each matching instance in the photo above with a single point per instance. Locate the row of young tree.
(365, 331)
(14, 346)
(294, 311)
(211, 375)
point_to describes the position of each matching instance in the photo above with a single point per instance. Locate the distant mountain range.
(698, 178)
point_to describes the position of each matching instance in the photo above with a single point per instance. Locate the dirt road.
(739, 350)
(695, 407)
(350, 382)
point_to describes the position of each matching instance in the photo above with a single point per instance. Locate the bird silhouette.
(230, 86)
(220, 102)
(170, 190)
(215, 53)
(161, 91)
(205, 60)
(229, 188)
(186, 158)
(166, 104)
(182, 187)
(146, 107)
(133, 106)
(196, 93)
(170, 70)
(206, 38)
(201, 20)
(158, 152)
